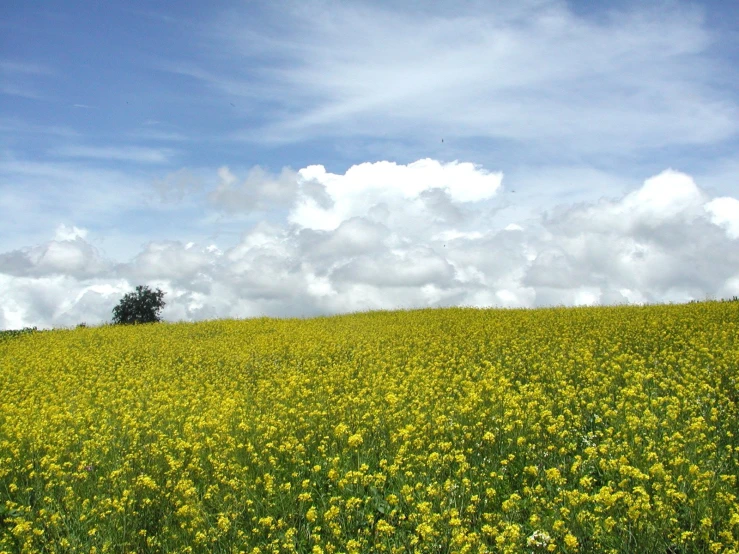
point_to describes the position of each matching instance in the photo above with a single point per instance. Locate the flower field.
(451, 430)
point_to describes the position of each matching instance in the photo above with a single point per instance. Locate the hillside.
(448, 430)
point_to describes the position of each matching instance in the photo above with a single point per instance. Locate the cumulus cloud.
(354, 237)
(725, 213)
(174, 186)
(416, 266)
(259, 191)
(385, 235)
(58, 300)
(656, 244)
(422, 189)
(170, 260)
(68, 254)
(69, 233)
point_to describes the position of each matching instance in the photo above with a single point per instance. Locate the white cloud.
(24, 68)
(657, 241)
(136, 154)
(122, 209)
(169, 260)
(668, 195)
(725, 213)
(17, 79)
(24, 91)
(176, 185)
(69, 255)
(58, 300)
(420, 189)
(382, 242)
(259, 191)
(17, 126)
(532, 71)
(152, 134)
(417, 266)
(668, 201)
(64, 232)
(354, 237)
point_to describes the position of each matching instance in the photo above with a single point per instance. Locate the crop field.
(436, 431)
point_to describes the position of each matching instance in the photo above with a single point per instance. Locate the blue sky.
(194, 145)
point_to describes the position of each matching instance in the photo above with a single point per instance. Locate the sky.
(297, 159)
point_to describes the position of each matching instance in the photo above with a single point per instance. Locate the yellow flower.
(355, 440)
(570, 541)
(214, 423)
(384, 528)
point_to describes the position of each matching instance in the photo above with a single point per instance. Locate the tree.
(142, 306)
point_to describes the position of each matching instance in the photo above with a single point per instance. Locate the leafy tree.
(142, 306)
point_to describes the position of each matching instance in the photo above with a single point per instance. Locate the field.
(454, 430)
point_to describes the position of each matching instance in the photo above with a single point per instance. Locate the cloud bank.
(385, 236)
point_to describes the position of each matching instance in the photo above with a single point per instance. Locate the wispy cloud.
(24, 68)
(135, 154)
(15, 126)
(158, 135)
(15, 89)
(16, 79)
(125, 206)
(537, 72)
(35, 195)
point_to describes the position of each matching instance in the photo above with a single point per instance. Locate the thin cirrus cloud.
(135, 154)
(21, 79)
(538, 72)
(665, 240)
(36, 196)
(16, 126)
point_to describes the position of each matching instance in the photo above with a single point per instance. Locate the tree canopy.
(141, 306)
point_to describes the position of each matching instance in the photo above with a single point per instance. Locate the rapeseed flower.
(459, 430)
